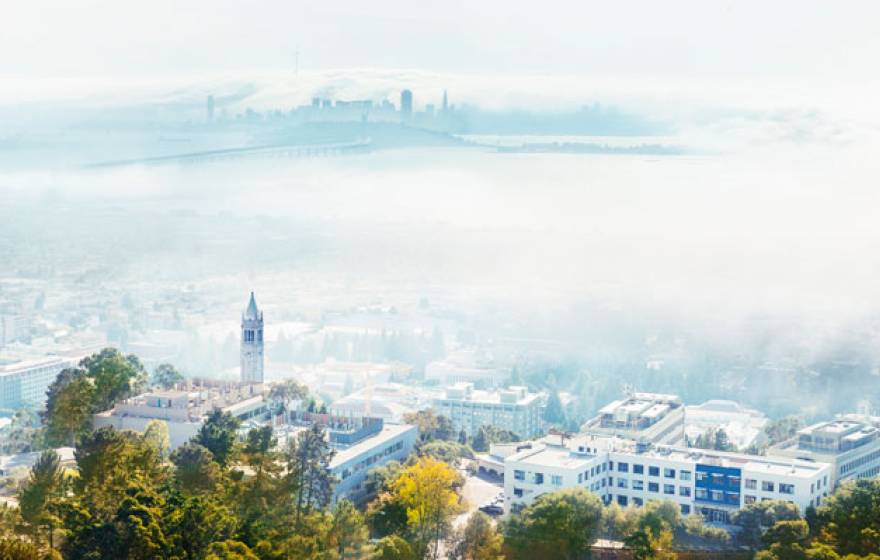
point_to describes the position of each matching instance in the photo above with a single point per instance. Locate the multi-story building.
(359, 451)
(184, 411)
(466, 366)
(650, 417)
(715, 484)
(851, 446)
(24, 383)
(513, 409)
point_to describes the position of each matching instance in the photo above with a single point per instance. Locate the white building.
(743, 426)
(24, 383)
(852, 447)
(388, 401)
(466, 366)
(651, 417)
(715, 484)
(184, 411)
(354, 459)
(513, 409)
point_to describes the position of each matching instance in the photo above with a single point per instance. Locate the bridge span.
(268, 151)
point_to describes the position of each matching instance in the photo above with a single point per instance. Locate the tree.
(42, 488)
(427, 490)
(430, 424)
(230, 550)
(194, 522)
(386, 515)
(756, 518)
(554, 413)
(166, 376)
(69, 408)
(109, 461)
(348, 533)
(115, 376)
(286, 391)
(487, 435)
(197, 471)
(785, 540)
(446, 451)
(782, 429)
(478, 540)
(561, 524)
(646, 546)
(850, 518)
(393, 547)
(12, 548)
(156, 434)
(218, 435)
(308, 477)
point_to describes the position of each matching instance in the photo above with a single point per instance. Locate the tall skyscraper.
(252, 343)
(445, 103)
(406, 104)
(209, 108)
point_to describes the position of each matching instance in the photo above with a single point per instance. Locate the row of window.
(870, 457)
(652, 471)
(770, 486)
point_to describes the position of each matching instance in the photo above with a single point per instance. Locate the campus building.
(850, 446)
(513, 409)
(650, 417)
(24, 383)
(714, 484)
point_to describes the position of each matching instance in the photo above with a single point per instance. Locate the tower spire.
(252, 343)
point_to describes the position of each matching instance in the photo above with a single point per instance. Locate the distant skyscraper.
(406, 104)
(209, 107)
(445, 102)
(252, 343)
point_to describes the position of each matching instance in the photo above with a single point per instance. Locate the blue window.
(669, 489)
(653, 471)
(621, 500)
(685, 509)
(653, 487)
(622, 467)
(519, 475)
(639, 469)
(669, 473)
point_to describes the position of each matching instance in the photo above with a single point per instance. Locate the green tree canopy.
(218, 435)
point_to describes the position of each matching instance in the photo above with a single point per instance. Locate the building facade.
(850, 446)
(23, 384)
(513, 409)
(714, 484)
(650, 417)
(252, 343)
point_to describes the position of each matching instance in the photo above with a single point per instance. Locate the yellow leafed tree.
(427, 489)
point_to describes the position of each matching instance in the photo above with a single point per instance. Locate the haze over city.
(476, 242)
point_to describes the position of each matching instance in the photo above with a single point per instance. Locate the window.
(653, 487)
(621, 500)
(622, 483)
(603, 483)
(638, 501)
(733, 480)
(717, 495)
(702, 494)
(639, 469)
(539, 478)
(767, 486)
(638, 485)
(718, 479)
(653, 471)
(622, 467)
(684, 475)
(751, 484)
(684, 491)
(685, 509)
(580, 478)
(786, 488)
(701, 476)
(610, 465)
(748, 499)
(518, 492)
(812, 488)
(669, 473)
(519, 475)
(669, 489)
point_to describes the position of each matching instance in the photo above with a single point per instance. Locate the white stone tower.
(252, 343)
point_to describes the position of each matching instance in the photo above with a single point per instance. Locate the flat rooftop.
(389, 432)
(548, 455)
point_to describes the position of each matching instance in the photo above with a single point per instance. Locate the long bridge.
(268, 151)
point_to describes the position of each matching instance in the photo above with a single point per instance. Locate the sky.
(785, 46)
